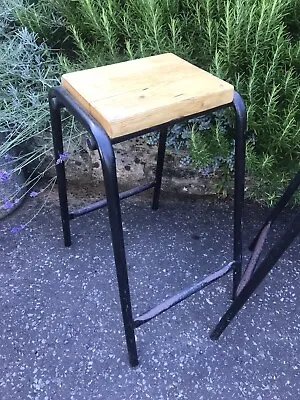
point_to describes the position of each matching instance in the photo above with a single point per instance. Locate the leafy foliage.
(27, 69)
(252, 44)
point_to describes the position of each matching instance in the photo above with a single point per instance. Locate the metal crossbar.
(103, 203)
(99, 140)
(182, 295)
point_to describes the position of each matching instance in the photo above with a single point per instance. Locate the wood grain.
(138, 94)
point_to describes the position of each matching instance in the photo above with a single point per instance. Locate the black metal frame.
(254, 274)
(99, 140)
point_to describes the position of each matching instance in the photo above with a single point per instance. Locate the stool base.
(59, 98)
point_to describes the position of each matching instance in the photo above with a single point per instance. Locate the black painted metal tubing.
(259, 275)
(103, 203)
(182, 295)
(282, 202)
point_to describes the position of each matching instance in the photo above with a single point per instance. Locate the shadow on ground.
(61, 333)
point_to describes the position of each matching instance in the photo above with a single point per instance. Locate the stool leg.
(259, 274)
(159, 166)
(239, 183)
(55, 113)
(282, 202)
(113, 202)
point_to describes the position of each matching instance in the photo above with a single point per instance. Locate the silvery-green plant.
(27, 70)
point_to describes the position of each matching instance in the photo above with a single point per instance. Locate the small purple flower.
(205, 171)
(16, 229)
(8, 157)
(4, 176)
(8, 205)
(33, 194)
(62, 157)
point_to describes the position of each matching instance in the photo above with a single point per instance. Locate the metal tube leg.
(261, 272)
(55, 113)
(283, 201)
(239, 183)
(257, 244)
(159, 166)
(115, 219)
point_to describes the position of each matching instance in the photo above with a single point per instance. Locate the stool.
(121, 101)
(256, 272)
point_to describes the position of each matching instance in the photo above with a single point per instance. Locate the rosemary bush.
(253, 44)
(250, 46)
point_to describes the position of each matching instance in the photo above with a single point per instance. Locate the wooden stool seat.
(135, 95)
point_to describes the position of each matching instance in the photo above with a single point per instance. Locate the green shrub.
(250, 47)
(27, 69)
(254, 44)
(292, 20)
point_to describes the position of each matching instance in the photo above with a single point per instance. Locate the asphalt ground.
(61, 331)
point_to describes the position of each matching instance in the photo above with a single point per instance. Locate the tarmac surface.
(61, 333)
